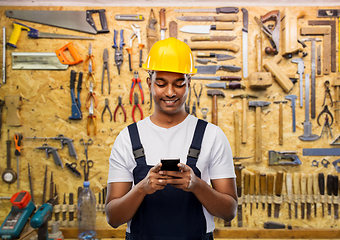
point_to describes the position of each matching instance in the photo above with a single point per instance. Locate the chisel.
(251, 191)
(270, 191)
(335, 196)
(296, 189)
(246, 188)
(289, 184)
(315, 192)
(238, 172)
(303, 194)
(257, 188)
(278, 192)
(329, 192)
(321, 178)
(309, 195)
(263, 189)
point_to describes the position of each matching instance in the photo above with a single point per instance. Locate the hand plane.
(283, 158)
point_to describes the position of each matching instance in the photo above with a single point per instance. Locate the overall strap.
(137, 148)
(196, 143)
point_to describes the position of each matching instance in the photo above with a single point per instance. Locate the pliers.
(89, 59)
(108, 108)
(91, 95)
(199, 95)
(136, 80)
(327, 92)
(90, 77)
(135, 34)
(106, 66)
(121, 106)
(118, 52)
(134, 107)
(91, 118)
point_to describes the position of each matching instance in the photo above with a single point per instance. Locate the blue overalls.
(171, 213)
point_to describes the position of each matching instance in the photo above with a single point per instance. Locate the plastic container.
(87, 214)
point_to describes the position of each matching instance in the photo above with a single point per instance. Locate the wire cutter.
(121, 106)
(327, 92)
(91, 95)
(106, 67)
(90, 77)
(91, 118)
(199, 95)
(118, 52)
(134, 107)
(136, 80)
(108, 108)
(89, 59)
(135, 34)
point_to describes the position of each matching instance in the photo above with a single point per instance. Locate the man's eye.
(179, 85)
(160, 84)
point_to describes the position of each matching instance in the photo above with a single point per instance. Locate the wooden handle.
(296, 183)
(279, 183)
(246, 182)
(238, 173)
(227, 18)
(315, 184)
(310, 184)
(263, 184)
(257, 182)
(214, 46)
(279, 76)
(280, 123)
(244, 120)
(258, 137)
(289, 184)
(162, 19)
(237, 133)
(212, 38)
(225, 26)
(272, 15)
(214, 110)
(258, 44)
(252, 184)
(303, 183)
(270, 184)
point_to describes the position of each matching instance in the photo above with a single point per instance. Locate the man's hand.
(155, 180)
(185, 179)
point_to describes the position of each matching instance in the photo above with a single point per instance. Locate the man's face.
(169, 91)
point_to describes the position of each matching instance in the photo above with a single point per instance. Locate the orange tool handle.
(74, 53)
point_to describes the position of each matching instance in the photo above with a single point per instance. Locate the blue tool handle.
(33, 33)
(121, 45)
(79, 88)
(115, 39)
(41, 216)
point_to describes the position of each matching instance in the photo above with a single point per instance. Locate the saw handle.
(74, 53)
(17, 27)
(102, 18)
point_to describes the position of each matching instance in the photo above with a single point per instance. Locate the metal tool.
(17, 141)
(335, 196)
(301, 69)
(217, 78)
(309, 195)
(118, 50)
(245, 42)
(214, 10)
(8, 175)
(89, 61)
(162, 23)
(135, 34)
(326, 127)
(30, 181)
(204, 61)
(136, 81)
(73, 168)
(246, 184)
(251, 191)
(327, 93)
(321, 151)
(3, 55)
(129, 17)
(327, 112)
(91, 96)
(330, 183)
(292, 98)
(119, 106)
(289, 189)
(75, 20)
(212, 69)
(321, 182)
(106, 67)
(224, 18)
(134, 108)
(214, 94)
(307, 125)
(86, 146)
(303, 194)
(226, 85)
(35, 33)
(205, 29)
(283, 158)
(318, 60)
(76, 104)
(86, 164)
(219, 57)
(151, 33)
(108, 108)
(315, 192)
(278, 193)
(54, 151)
(313, 73)
(204, 113)
(270, 191)
(193, 110)
(263, 189)
(91, 118)
(199, 94)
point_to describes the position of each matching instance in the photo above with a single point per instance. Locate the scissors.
(89, 142)
(86, 165)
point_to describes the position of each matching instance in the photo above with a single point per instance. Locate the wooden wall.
(46, 106)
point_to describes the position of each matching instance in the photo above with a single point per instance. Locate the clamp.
(136, 80)
(134, 108)
(326, 111)
(108, 108)
(91, 118)
(135, 34)
(89, 97)
(106, 67)
(327, 92)
(89, 59)
(119, 106)
(118, 52)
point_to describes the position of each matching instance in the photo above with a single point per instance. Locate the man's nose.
(170, 91)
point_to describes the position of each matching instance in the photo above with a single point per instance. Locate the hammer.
(280, 120)
(258, 135)
(214, 94)
(244, 114)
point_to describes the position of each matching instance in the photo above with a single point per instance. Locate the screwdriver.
(17, 140)
(322, 191)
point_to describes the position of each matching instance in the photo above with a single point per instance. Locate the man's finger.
(156, 168)
(183, 167)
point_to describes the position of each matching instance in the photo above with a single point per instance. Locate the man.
(159, 204)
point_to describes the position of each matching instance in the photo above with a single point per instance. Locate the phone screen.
(170, 164)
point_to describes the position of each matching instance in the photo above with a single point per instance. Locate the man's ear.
(148, 81)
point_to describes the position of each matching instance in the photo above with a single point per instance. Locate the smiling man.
(162, 204)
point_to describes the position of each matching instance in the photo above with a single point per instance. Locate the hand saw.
(81, 21)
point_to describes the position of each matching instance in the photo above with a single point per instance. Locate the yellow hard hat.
(170, 55)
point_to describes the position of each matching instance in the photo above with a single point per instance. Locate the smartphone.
(170, 164)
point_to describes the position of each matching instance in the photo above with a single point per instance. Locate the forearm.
(121, 210)
(221, 205)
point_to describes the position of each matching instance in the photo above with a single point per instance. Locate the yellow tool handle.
(289, 183)
(263, 184)
(279, 183)
(13, 39)
(246, 182)
(315, 183)
(296, 183)
(225, 26)
(252, 184)
(270, 184)
(310, 184)
(303, 183)
(227, 18)
(257, 182)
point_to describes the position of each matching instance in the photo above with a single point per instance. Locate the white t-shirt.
(215, 160)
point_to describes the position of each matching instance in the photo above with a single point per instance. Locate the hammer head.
(278, 102)
(215, 92)
(258, 103)
(291, 98)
